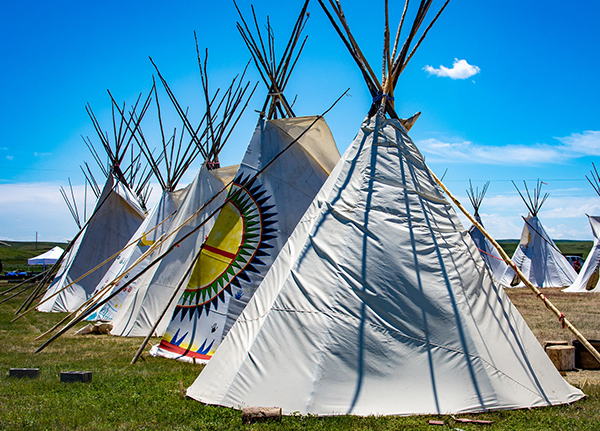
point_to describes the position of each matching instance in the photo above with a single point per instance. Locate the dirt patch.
(581, 309)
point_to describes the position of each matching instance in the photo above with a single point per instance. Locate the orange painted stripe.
(180, 351)
(219, 251)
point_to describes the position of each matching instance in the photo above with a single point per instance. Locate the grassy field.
(151, 394)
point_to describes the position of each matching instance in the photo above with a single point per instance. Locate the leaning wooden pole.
(561, 317)
(176, 293)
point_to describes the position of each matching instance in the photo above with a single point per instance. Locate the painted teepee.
(147, 299)
(119, 211)
(537, 256)
(271, 191)
(488, 252)
(589, 275)
(380, 303)
(173, 161)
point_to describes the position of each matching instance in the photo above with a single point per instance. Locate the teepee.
(169, 167)
(488, 252)
(537, 256)
(380, 303)
(145, 303)
(271, 191)
(589, 275)
(117, 215)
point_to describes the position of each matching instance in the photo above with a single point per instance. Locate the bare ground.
(581, 309)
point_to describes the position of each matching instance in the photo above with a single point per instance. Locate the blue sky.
(529, 112)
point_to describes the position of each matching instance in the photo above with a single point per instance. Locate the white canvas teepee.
(142, 306)
(588, 277)
(249, 232)
(149, 298)
(116, 217)
(380, 303)
(168, 168)
(276, 182)
(132, 258)
(488, 252)
(537, 256)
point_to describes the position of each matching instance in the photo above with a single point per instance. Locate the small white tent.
(48, 258)
(380, 303)
(588, 277)
(488, 252)
(537, 256)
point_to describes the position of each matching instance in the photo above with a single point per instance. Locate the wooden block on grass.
(76, 376)
(563, 357)
(19, 373)
(260, 414)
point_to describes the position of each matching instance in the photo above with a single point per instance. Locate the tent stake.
(561, 317)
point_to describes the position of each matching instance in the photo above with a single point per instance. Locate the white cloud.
(9, 157)
(570, 147)
(587, 143)
(460, 70)
(36, 154)
(466, 151)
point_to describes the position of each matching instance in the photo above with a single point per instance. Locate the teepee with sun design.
(276, 182)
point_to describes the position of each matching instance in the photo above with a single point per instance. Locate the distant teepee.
(119, 211)
(589, 276)
(537, 256)
(380, 303)
(488, 252)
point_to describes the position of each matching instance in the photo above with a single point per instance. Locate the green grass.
(567, 247)
(16, 254)
(148, 395)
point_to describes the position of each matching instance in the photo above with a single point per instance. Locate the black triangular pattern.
(267, 223)
(265, 210)
(262, 201)
(176, 313)
(215, 302)
(258, 195)
(222, 296)
(235, 282)
(261, 253)
(267, 231)
(244, 276)
(265, 245)
(251, 268)
(268, 237)
(184, 312)
(207, 308)
(257, 261)
(268, 216)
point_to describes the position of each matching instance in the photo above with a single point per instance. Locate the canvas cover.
(129, 260)
(48, 258)
(380, 304)
(249, 232)
(539, 259)
(587, 279)
(115, 219)
(142, 306)
(488, 252)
